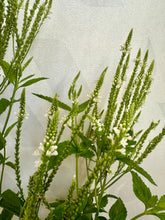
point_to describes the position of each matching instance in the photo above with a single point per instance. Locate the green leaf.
(28, 77)
(87, 154)
(11, 202)
(8, 71)
(49, 99)
(27, 63)
(4, 103)
(83, 106)
(32, 81)
(152, 202)
(10, 128)
(58, 212)
(83, 217)
(104, 201)
(141, 191)
(2, 141)
(118, 211)
(6, 215)
(161, 203)
(64, 106)
(102, 218)
(160, 215)
(1, 158)
(10, 164)
(133, 165)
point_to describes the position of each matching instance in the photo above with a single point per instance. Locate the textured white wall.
(86, 35)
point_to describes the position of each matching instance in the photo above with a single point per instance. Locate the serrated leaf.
(152, 202)
(4, 103)
(10, 128)
(104, 201)
(2, 141)
(83, 106)
(118, 211)
(10, 164)
(6, 215)
(87, 154)
(161, 203)
(11, 202)
(140, 189)
(136, 167)
(32, 81)
(160, 215)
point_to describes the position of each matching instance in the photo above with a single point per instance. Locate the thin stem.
(139, 215)
(77, 179)
(3, 131)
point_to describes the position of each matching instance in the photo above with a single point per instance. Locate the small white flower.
(48, 153)
(36, 152)
(38, 163)
(41, 147)
(54, 147)
(54, 153)
(123, 142)
(116, 130)
(111, 137)
(122, 150)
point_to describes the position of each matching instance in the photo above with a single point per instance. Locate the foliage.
(101, 137)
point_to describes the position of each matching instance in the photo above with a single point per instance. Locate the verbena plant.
(104, 138)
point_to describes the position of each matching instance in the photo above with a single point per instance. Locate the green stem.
(77, 185)
(139, 215)
(3, 131)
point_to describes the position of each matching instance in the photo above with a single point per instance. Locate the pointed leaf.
(10, 128)
(8, 71)
(2, 141)
(11, 202)
(160, 215)
(118, 211)
(136, 167)
(87, 154)
(28, 77)
(140, 189)
(83, 106)
(26, 64)
(49, 99)
(1, 158)
(161, 203)
(32, 81)
(104, 201)
(6, 215)
(64, 106)
(10, 164)
(4, 103)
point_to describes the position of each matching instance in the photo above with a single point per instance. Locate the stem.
(3, 131)
(139, 215)
(77, 173)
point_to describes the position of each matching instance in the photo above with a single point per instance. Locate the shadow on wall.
(103, 3)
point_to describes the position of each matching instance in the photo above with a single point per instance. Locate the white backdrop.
(86, 35)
